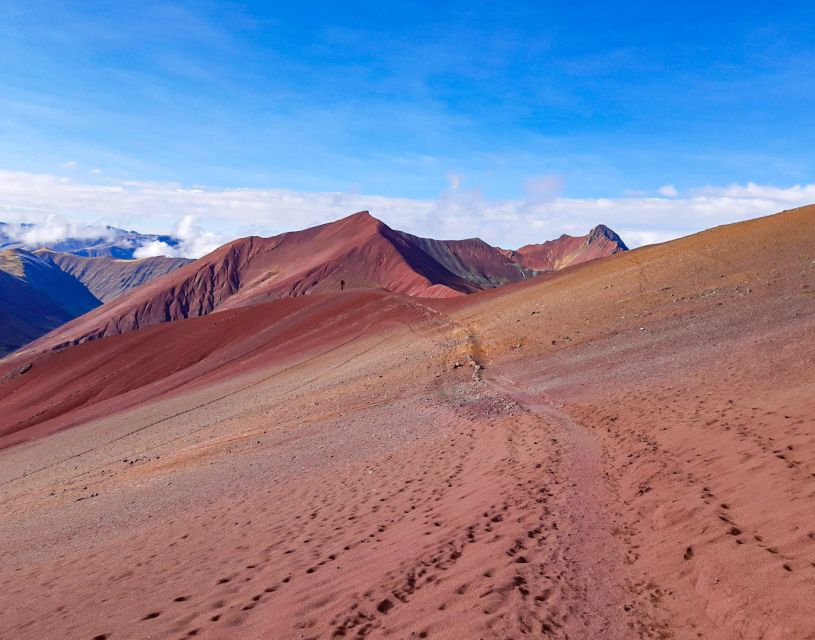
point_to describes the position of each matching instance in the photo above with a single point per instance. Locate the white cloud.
(153, 249)
(759, 192)
(455, 181)
(638, 238)
(193, 242)
(69, 165)
(457, 212)
(668, 190)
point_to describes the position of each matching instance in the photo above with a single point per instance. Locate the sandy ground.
(625, 450)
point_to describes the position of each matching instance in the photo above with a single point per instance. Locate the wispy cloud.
(544, 188)
(459, 211)
(155, 248)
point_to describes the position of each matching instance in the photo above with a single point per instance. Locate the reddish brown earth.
(63, 388)
(625, 449)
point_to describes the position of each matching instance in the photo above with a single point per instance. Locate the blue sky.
(544, 100)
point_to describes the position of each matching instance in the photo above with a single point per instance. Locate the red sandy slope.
(625, 449)
(63, 388)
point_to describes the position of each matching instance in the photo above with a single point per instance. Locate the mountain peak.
(602, 231)
(362, 219)
(569, 250)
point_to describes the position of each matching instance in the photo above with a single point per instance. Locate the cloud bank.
(457, 212)
(52, 228)
(193, 242)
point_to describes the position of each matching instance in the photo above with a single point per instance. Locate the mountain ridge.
(107, 277)
(358, 251)
(37, 296)
(42, 290)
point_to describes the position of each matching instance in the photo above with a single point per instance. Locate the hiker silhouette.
(342, 285)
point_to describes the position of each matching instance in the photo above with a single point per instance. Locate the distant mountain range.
(355, 252)
(113, 242)
(108, 278)
(42, 290)
(35, 297)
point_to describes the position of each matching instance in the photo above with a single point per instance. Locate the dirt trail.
(589, 560)
(592, 555)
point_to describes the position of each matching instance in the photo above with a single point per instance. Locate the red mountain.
(359, 251)
(569, 250)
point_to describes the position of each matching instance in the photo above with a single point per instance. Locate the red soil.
(622, 450)
(63, 388)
